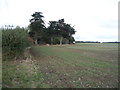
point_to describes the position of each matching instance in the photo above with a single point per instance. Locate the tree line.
(15, 41)
(58, 32)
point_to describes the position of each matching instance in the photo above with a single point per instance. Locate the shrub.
(14, 42)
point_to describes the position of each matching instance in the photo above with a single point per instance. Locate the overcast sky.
(94, 20)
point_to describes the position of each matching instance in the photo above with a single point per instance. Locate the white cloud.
(93, 19)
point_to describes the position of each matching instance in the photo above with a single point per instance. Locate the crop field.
(83, 65)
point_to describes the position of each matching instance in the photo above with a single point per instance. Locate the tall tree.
(70, 31)
(52, 30)
(37, 25)
(65, 30)
(61, 29)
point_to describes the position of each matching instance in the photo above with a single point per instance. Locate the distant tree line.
(87, 42)
(58, 32)
(94, 42)
(110, 42)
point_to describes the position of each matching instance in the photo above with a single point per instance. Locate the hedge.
(14, 42)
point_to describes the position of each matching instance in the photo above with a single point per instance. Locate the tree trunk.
(51, 40)
(61, 39)
(36, 42)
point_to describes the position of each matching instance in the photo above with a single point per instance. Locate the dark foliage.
(14, 42)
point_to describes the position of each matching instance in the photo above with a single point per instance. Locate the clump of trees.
(14, 42)
(58, 32)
